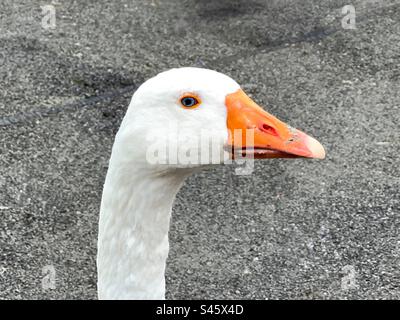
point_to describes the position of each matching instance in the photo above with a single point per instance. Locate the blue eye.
(189, 102)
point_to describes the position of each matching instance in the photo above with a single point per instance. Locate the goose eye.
(189, 101)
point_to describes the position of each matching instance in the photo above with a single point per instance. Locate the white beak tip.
(316, 148)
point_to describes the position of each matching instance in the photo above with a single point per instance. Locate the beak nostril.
(268, 129)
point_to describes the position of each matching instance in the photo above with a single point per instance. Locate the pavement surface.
(294, 229)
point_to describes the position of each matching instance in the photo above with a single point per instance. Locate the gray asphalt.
(294, 229)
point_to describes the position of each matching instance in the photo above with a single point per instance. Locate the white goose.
(144, 177)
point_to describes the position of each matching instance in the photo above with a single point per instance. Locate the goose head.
(177, 122)
(192, 117)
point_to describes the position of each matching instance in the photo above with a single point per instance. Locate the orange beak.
(255, 132)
